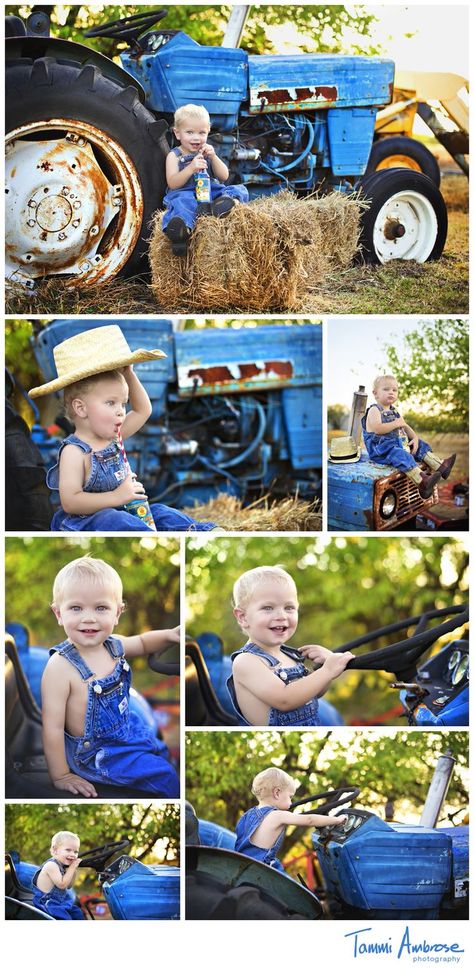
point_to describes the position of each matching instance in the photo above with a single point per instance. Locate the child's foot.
(178, 234)
(428, 482)
(222, 206)
(204, 208)
(447, 466)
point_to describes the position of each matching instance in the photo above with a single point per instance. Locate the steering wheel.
(172, 666)
(400, 658)
(98, 857)
(127, 28)
(336, 800)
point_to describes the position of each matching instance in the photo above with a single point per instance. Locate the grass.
(397, 287)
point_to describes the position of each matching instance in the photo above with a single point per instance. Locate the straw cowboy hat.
(344, 450)
(91, 352)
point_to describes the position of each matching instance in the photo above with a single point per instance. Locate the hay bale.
(263, 257)
(288, 515)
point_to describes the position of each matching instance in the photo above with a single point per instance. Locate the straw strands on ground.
(264, 256)
(288, 515)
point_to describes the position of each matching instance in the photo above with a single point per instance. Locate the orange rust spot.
(242, 371)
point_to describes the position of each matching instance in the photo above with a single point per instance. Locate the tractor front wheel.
(406, 217)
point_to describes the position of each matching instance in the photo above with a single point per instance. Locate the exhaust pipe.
(438, 790)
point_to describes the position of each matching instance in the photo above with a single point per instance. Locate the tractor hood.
(146, 892)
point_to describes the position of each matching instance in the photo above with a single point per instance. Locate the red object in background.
(451, 513)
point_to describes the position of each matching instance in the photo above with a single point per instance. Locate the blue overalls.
(58, 902)
(182, 202)
(117, 747)
(108, 470)
(388, 448)
(246, 827)
(303, 716)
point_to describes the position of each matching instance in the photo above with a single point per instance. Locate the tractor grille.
(409, 500)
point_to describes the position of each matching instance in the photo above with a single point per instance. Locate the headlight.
(388, 504)
(461, 672)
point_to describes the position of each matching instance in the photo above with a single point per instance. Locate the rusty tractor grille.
(408, 500)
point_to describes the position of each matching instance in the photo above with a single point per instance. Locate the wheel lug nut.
(94, 229)
(31, 223)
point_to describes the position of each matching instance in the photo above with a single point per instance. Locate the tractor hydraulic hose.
(306, 151)
(232, 462)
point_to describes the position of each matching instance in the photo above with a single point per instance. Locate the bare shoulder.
(72, 456)
(57, 671)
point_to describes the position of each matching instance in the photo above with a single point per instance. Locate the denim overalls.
(182, 201)
(117, 746)
(388, 448)
(108, 470)
(246, 826)
(58, 902)
(303, 716)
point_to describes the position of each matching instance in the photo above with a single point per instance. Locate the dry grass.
(398, 287)
(261, 258)
(120, 297)
(288, 515)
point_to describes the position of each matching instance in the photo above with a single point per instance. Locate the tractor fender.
(36, 47)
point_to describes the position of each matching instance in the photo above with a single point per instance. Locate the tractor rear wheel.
(209, 898)
(406, 217)
(84, 172)
(402, 152)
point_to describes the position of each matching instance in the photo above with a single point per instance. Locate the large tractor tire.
(402, 152)
(405, 218)
(209, 898)
(84, 173)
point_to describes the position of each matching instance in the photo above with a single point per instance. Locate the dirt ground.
(397, 287)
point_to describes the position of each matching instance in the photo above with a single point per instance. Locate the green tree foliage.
(338, 415)
(153, 831)
(220, 767)
(433, 373)
(347, 586)
(148, 567)
(329, 28)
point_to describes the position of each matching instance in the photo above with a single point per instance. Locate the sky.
(356, 354)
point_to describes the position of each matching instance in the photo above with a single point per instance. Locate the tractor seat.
(202, 706)
(13, 886)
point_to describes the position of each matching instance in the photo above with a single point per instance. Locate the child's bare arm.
(139, 402)
(219, 168)
(54, 693)
(75, 501)
(62, 881)
(176, 178)
(375, 426)
(308, 820)
(251, 673)
(155, 641)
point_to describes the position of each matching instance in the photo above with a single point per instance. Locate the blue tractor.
(235, 411)
(87, 140)
(368, 868)
(131, 889)
(433, 693)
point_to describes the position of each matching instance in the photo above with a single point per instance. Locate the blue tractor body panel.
(351, 494)
(213, 835)
(183, 72)
(444, 679)
(460, 876)
(144, 892)
(396, 872)
(296, 82)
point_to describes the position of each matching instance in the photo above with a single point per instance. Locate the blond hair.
(87, 569)
(267, 780)
(196, 112)
(83, 387)
(248, 582)
(62, 836)
(382, 376)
